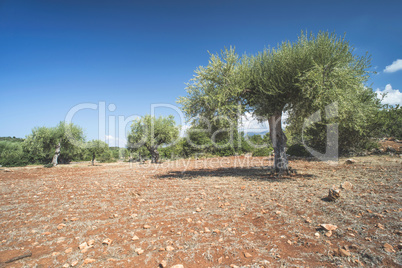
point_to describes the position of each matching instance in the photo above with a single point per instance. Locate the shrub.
(263, 152)
(298, 150)
(11, 154)
(106, 157)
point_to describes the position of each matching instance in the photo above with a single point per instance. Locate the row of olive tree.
(61, 144)
(156, 137)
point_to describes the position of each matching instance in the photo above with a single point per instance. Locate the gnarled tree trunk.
(154, 153)
(93, 159)
(56, 155)
(278, 139)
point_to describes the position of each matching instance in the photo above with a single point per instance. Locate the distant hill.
(12, 139)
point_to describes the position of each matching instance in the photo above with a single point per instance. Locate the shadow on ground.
(245, 173)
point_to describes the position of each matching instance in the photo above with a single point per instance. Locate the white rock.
(177, 266)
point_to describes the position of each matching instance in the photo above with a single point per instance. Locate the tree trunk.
(154, 155)
(278, 139)
(56, 155)
(93, 159)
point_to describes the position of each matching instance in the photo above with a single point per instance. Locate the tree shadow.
(251, 174)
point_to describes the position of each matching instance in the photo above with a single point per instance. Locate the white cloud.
(395, 66)
(114, 141)
(110, 138)
(394, 96)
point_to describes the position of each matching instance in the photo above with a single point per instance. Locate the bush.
(11, 154)
(388, 122)
(298, 150)
(225, 151)
(263, 152)
(106, 157)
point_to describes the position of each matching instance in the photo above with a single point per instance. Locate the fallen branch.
(25, 255)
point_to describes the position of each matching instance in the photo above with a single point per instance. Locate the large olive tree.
(298, 77)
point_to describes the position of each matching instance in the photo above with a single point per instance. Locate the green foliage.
(115, 152)
(11, 139)
(124, 154)
(107, 157)
(335, 76)
(258, 141)
(246, 147)
(210, 94)
(198, 143)
(223, 150)
(99, 148)
(203, 141)
(298, 150)
(212, 107)
(40, 144)
(139, 154)
(151, 133)
(256, 144)
(263, 151)
(181, 149)
(388, 122)
(356, 112)
(199, 138)
(11, 153)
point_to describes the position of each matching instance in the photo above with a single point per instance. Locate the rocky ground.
(218, 212)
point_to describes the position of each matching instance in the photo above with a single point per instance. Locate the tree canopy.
(96, 148)
(40, 145)
(151, 132)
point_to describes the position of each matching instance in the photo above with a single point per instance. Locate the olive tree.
(298, 77)
(96, 148)
(45, 145)
(151, 133)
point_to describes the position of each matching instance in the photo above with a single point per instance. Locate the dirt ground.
(217, 212)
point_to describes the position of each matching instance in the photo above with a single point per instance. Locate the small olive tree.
(151, 133)
(96, 148)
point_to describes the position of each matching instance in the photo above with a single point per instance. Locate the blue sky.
(55, 55)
